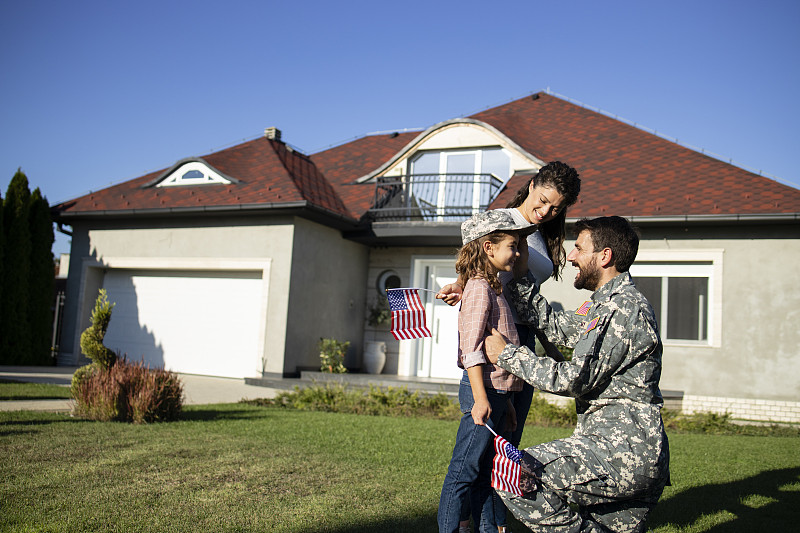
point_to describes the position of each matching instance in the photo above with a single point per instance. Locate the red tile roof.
(344, 164)
(268, 173)
(629, 172)
(624, 171)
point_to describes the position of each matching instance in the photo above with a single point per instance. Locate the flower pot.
(374, 356)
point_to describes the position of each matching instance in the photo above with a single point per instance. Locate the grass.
(241, 468)
(17, 390)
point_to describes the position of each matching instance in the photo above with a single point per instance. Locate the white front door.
(437, 355)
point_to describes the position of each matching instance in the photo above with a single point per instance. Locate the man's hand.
(451, 293)
(493, 345)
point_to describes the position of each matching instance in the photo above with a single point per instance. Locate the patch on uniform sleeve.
(591, 325)
(584, 309)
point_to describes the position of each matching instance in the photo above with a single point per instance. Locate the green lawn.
(16, 390)
(238, 467)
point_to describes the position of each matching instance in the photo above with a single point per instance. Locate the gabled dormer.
(448, 172)
(191, 172)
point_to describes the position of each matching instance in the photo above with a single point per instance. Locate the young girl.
(490, 241)
(543, 201)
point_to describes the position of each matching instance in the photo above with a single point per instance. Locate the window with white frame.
(193, 173)
(448, 178)
(685, 297)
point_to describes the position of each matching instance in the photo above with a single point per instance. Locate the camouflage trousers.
(586, 501)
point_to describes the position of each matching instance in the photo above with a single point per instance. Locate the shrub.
(127, 392)
(92, 337)
(400, 402)
(394, 401)
(110, 388)
(339, 398)
(544, 413)
(331, 355)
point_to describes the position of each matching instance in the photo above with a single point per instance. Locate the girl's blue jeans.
(468, 479)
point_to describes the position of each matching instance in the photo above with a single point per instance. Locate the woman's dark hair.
(564, 179)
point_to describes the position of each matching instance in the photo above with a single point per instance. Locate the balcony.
(432, 197)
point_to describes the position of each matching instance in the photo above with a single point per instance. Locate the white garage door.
(186, 321)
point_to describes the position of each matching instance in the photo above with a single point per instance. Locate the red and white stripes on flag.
(408, 314)
(506, 469)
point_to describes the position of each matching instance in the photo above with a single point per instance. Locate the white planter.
(374, 356)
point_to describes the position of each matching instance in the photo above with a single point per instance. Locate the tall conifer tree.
(16, 344)
(41, 281)
(2, 277)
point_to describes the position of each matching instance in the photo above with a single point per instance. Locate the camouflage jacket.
(613, 376)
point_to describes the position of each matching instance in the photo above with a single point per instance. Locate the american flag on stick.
(408, 314)
(505, 469)
(513, 470)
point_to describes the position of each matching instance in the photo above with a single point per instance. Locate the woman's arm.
(450, 293)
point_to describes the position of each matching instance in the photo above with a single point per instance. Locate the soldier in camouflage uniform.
(616, 464)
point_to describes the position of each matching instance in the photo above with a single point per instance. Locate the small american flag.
(506, 469)
(584, 309)
(408, 314)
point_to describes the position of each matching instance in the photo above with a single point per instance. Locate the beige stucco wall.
(200, 242)
(326, 299)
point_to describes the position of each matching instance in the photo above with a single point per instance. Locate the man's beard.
(588, 277)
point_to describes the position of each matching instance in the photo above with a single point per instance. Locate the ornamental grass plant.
(127, 392)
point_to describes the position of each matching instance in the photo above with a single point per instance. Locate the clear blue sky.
(99, 92)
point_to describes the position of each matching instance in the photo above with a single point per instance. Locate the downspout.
(60, 228)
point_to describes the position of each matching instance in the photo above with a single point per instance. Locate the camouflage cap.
(486, 222)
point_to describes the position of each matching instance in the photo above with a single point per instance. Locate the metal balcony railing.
(433, 197)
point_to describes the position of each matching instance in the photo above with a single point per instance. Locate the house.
(237, 263)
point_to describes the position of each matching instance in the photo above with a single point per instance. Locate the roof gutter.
(238, 209)
(761, 218)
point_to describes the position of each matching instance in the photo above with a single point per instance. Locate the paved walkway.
(196, 389)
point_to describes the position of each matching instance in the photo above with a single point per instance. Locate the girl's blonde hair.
(472, 261)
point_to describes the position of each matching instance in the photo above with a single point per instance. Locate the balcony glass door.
(425, 184)
(456, 188)
(456, 183)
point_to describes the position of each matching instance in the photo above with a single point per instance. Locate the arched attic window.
(193, 173)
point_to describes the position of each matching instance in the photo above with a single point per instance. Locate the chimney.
(273, 134)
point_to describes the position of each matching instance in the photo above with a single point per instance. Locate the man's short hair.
(615, 233)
